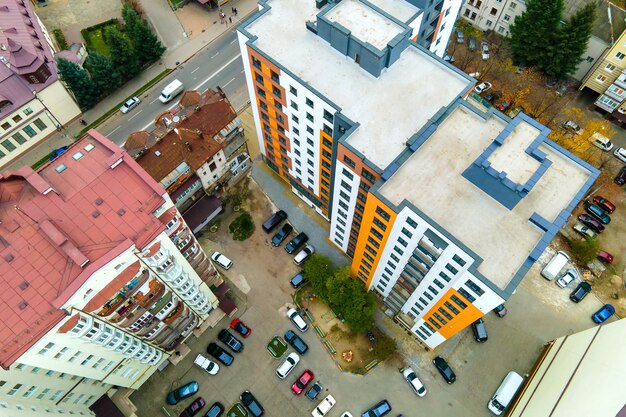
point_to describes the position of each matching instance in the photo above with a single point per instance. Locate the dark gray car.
(229, 340)
(295, 243)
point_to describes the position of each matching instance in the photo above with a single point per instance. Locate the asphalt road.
(219, 64)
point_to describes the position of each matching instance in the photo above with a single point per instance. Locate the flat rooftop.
(390, 108)
(431, 179)
(400, 9)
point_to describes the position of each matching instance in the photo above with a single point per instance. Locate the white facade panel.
(340, 232)
(251, 91)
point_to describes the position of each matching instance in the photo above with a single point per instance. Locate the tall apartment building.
(496, 15)
(194, 151)
(102, 280)
(442, 208)
(33, 101)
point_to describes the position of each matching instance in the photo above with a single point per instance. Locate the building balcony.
(192, 325)
(157, 357)
(153, 334)
(174, 225)
(405, 320)
(171, 305)
(171, 345)
(132, 317)
(142, 328)
(157, 289)
(126, 292)
(173, 273)
(174, 313)
(164, 334)
(184, 314)
(162, 302)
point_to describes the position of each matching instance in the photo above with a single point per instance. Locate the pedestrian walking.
(235, 11)
(232, 9)
(230, 19)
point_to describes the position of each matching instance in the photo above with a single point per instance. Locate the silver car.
(566, 279)
(130, 104)
(584, 230)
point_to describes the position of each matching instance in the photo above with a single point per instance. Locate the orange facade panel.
(459, 321)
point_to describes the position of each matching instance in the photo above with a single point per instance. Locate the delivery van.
(505, 393)
(555, 265)
(170, 91)
(601, 142)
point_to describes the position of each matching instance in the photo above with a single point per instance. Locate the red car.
(604, 256)
(503, 105)
(591, 222)
(193, 408)
(604, 204)
(299, 386)
(238, 326)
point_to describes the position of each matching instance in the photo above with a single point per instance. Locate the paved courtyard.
(538, 312)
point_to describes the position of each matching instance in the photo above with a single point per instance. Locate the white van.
(601, 142)
(555, 265)
(221, 260)
(324, 407)
(170, 91)
(505, 393)
(288, 364)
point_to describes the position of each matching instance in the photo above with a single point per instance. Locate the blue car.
(379, 410)
(603, 314)
(179, 394)
(597, 212)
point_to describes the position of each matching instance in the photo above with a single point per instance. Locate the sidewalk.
(172, 58)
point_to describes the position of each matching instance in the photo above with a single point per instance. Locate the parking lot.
(538, 313)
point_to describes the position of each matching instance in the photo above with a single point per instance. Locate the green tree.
(84, 89)
(533, 32)
(146, 45)
(317, 270)
(102, 72)
(585, 250)
(571, 42)
(123, 55)
(351, 300)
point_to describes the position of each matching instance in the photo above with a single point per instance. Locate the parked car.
(287, 365)
(494, 95)
(304, 254)
(282, 234)
(620, 153)
(252, 405)
(274, 220)
(562, 89)
(295, 243)
(484, 47)
(208, 365)
(414, 382)
(603, 314)
(314, 391)
(521, 67)
(216, 410)
(606, 257)
(295, 342)
(229, 340)
(324, 407)
(460, 36)
(591, 222)
(500, 310)
(380, 409)
(471, 43)
(597, 212)
(297, 320)
(182, 392)
(482, 87)
(503, 105)
(570, 275)
(220, 354)
(584, 230)
(298, 280)
(58, 152)
(448, 58)
(551, 81)
(604, 204)
(480, 331)
(571, 126)
(221, 260)
(620, 178)
(193, 408)
(238, 326)
(580, 292)
(130, 104)
(302, 381)
(444, 369)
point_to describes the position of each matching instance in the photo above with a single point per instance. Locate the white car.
(569, 276)
(346, 414)
(287, 365)
(130, 104)
(221, 260)
(304, 254)
(414, 382)
(482, 87)
(297, 320)
(324, 407)
(208, 365)
(620, 153)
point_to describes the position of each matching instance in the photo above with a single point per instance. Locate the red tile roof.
(58, 228)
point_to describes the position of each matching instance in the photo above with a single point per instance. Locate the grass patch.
(42, 161)
(237, 410)
(94, 36)
(60, 38)
(242, 227)
(140, 91)
(276, 347)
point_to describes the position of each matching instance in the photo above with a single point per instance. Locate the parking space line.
(225, 85)
(135, 115)
(218, 71)
(216, 54)
(114, 130)
(195, 70)
(154, 100)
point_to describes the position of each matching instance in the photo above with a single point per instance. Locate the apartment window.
(87, 360)
(327, 130)
(489, 23)
(260, 92)
(349, 161)
(439, 318)
(309, 102)
(265, 117)
(444, 276)
(276, 91)
(327, 143)
(451, 269)
(452, 308)
(407, 233)
(438, 283)
(98, 363)
(309, 129)
(458, 260)
(411, 222)
(513, 5)
(610, 67)
(346, 185)
(475, 288)
(309, 117)
(256, 63)
(293, 90)
(391, 265)
(493, 11)
(434, 323)
(359, 207)
(328, 116)
(278, 105)
(506, 17)
(500, 29)
(344, 196)
(43, 393)
(35, 370)
(397, 249)
(61, 353)
(380, 224)
(297, 132)
(8, 145)
(402, 242)
(373, 242)
(382, 213)
(619, 55)
(376, 233)
(19, 138)
(14, 390)
(262, 105)
(274, 76)
(347, 174)
(258, 77)
(394, 257)
(30, 391)
(469, 297)
(589, 59)
(433, 290)
(601, 78)
(46, 348)
(368, 175)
